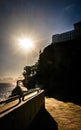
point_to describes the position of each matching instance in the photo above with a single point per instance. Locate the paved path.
(67, 115)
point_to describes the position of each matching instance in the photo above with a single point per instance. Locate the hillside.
(59, 70)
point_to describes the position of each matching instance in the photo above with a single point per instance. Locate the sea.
(6, 90)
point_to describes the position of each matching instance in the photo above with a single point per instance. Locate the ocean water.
(5, 90)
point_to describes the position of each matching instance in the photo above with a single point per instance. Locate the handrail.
(20, 116)
(7, 104)
(10, 99)
(30, 93)
(31, 90)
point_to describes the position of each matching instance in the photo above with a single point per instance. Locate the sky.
(36, 19)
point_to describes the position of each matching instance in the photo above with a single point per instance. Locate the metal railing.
(10, 99)
(15, 100)
(30, 93)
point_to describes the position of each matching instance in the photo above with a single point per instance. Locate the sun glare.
(26, 43)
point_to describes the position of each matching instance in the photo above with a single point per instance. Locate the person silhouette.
(17, 90)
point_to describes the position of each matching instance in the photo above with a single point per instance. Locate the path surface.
(67, 115)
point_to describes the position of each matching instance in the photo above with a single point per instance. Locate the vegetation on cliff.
(58, 70)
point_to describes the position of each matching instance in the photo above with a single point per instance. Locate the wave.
(5, 90)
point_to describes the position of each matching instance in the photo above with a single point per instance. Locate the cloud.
(10, 79)
(69, 7)
(6, 79)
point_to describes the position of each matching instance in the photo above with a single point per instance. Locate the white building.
(70, 35)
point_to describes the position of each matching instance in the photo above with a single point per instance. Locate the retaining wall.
(22, 115)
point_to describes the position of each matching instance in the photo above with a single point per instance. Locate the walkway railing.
(17, 112)
(15, 100)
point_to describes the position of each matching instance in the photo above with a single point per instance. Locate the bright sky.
(34, 19)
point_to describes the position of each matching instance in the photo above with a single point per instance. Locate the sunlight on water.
(5, 90)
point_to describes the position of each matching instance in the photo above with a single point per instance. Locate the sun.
(26, 43)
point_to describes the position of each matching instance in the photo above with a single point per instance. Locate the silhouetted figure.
(17, 90)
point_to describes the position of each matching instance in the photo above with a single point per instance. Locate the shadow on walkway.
(43, 121)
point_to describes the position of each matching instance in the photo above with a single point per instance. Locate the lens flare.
(26, 43)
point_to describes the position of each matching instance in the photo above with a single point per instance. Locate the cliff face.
(59, 70)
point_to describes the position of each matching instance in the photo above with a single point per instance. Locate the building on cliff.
(70, 35)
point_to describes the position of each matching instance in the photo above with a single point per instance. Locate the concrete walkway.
(67, 115)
